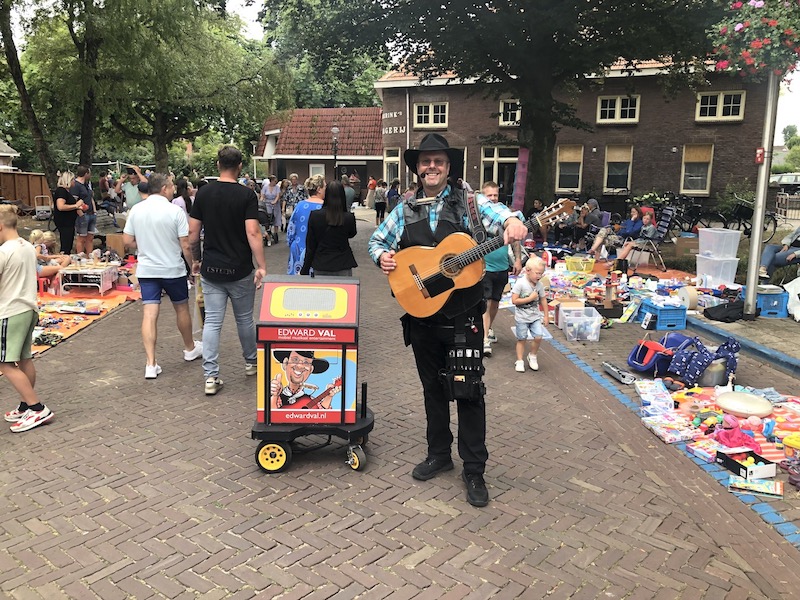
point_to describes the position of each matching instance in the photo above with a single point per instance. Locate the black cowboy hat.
(320, 365)
(434, 142)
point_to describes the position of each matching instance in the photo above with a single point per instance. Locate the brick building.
(693, 144)
(302, 141)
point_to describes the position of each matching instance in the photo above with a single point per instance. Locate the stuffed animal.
(732, 436)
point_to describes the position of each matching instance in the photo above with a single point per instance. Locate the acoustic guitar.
(312, 403)
(426, 277)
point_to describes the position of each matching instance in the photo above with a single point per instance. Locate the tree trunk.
(89, 117)
(537, 132)
(14, 67)
(162, 157)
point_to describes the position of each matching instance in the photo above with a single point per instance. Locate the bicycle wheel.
(712, 220)
(735, 223)
(770, 227)
(675, 228)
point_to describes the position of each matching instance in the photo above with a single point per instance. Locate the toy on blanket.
(743, 404)
(732, 436)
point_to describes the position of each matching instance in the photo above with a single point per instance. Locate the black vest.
(417, 232)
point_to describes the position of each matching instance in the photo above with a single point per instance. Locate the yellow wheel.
(356, 458)
(273, 457)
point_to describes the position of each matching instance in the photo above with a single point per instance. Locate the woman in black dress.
(328, 250)
(65, 211)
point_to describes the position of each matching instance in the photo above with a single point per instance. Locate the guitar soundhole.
(449, 266)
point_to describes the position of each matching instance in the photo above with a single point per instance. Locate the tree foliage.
(127, 73)
(321, 76)
(527, 49)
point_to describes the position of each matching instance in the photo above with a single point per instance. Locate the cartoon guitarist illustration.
(298, 365)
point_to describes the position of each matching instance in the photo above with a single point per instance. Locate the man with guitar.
(447, 344)
(298, 365)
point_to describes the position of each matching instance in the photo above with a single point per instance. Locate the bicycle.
(742, 219)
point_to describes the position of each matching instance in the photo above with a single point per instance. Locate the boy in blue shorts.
(18, 316)
(528, 296)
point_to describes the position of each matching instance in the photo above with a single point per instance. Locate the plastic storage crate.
(667, 317)
(719, 243)
(773, 305)
(580, 264)
(582, 325)
(715, 272)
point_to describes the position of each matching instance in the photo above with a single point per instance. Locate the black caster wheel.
(273, 457)
(356, 458)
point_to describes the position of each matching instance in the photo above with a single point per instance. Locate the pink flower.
(724, 30)
(736, 5)
(738, 27)
(722, 65)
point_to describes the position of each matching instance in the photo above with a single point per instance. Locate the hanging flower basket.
(758, 38)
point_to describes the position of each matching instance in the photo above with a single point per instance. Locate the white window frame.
(316, 169)
(504, 123)
(606, 188)
(387, 159)
(618, 108)
(720, 106)
(495, 160)
(431, 125)
(709, 171)
(558, 169)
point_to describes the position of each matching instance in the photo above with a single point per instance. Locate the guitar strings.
(476, 252)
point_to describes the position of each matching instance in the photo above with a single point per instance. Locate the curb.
(780, 523)
(779, 360)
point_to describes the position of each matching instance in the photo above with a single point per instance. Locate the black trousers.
(431, 342)
(67, 235)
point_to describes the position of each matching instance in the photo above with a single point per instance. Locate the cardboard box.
(114, 242)
(555, 306)
(687, 246)
(769, 469)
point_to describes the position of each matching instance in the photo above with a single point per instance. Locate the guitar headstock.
(556, 211)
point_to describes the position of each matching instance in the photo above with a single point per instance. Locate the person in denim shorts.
(528, 296)
(85, 223)
(160, 230)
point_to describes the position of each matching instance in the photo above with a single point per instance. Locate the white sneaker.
(194, 353)
(250, 369)
(151, 371)
(213, 384)
(491, 336)
(762, 272)
(519, 366)
(487, 348)
(31, 419)
(533, 362)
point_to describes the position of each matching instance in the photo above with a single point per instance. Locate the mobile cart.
(307, 336)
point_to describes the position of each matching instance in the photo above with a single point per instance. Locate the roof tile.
(307, 131)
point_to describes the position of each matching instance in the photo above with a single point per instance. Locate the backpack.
(729, 312)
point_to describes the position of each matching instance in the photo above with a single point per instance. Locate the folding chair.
(591, 233)
(651, 245)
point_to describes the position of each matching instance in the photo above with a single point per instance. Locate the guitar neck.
(481, 250)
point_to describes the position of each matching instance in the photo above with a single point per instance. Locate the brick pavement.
(148, 489)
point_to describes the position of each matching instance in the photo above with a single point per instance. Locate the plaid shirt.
(387, 236)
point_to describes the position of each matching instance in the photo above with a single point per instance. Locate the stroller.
(266, 220)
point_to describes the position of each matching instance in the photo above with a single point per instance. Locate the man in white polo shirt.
(160, 231)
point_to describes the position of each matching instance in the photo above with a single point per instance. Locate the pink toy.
(731, 435)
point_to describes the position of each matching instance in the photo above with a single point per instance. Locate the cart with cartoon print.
(307, 370)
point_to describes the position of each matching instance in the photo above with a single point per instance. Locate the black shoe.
(477, 494)
(275, 238)
(430, 467)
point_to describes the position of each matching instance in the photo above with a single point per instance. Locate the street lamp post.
(254, 143)
(335, 135)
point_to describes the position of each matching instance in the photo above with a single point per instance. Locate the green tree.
(789, 132)
(15, 72)
(317, 77)
(529, 49)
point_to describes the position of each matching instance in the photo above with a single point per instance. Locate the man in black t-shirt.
(228, 214)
